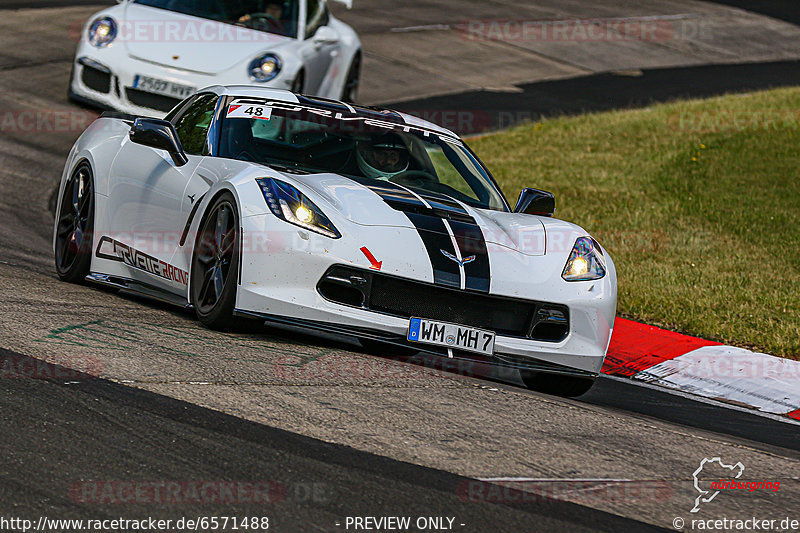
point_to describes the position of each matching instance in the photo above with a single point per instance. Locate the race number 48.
(249, 111)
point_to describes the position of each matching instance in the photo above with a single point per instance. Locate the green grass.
(698, 203)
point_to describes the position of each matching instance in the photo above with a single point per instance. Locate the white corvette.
(252, 203)
(145, 56)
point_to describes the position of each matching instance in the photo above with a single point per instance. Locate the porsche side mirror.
(161, 135)
(326, 35)
(536, 202)
(347, 3)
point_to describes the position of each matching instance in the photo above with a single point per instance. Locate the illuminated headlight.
(585, 262)
(265, 68)
(289, 204)
(102, 32)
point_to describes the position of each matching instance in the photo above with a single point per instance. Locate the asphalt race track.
(332, 430)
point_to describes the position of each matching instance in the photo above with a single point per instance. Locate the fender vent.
(96, 80)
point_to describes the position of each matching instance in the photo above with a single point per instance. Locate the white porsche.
(254, 203)
(145, 56)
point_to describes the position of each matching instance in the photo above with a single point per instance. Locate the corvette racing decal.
(140, 260)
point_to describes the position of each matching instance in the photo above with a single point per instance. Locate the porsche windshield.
(271, 16)
(301, 139)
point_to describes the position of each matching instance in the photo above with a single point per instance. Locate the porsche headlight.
(102, 31)
(265, 68)
(585, 262)
(289, 204)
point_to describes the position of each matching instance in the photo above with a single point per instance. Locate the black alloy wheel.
(215, 264)
(350, 92)
(75, 226)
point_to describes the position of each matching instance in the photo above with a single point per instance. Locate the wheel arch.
(209, 199)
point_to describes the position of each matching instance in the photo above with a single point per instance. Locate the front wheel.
(298, 83)
(215, 264)
(567, 386)
(75, 226)
(350, 91)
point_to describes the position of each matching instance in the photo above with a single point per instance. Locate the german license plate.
(166, 88)
(451, 335)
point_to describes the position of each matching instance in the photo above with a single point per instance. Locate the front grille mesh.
(150, 100)
(96, 80)
(408, 298)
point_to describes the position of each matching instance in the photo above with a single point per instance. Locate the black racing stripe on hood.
(432, 226)
(471, 242)
(402, 199)
(436, 239)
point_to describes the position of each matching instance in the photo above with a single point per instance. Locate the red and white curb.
(704, 368)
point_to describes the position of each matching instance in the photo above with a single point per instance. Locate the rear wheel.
(567, 386)
(215, 264)
(350, 91)
(75, 226)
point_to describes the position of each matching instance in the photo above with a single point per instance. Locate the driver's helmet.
(274, 7)
(383, 157)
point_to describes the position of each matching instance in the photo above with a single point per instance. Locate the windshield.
(298, 138)
(271, 16)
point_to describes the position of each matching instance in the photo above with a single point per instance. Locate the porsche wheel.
(298, 83)
(567, 386)
(215, 264)
(350, 92)
(75, 226)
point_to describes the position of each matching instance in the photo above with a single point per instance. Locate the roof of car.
(249, 91)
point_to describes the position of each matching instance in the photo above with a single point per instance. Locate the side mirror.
(536, 202)
(347, 3)
(325, 35)
(161, 135)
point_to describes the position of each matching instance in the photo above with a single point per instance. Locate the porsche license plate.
(451, 335)
(163, 87)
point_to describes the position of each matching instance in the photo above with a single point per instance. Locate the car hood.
(371, 203)
(190, 43)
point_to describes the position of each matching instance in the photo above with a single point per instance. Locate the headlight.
(265, 68)
(289, 204)
(586, 261)
(102, 32)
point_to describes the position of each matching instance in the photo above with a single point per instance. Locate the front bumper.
(282, 287)
(104, 78)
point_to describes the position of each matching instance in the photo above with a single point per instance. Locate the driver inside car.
(270, 14)
(383, 157)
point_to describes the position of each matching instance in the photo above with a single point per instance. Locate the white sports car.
(145, 56)
(253, 203)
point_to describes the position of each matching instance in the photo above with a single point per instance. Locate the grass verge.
(698, 203)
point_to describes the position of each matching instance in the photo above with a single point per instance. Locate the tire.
(299, 83)
(350, 90)
(75, 226)
(566, 386)
(386, 349)
(215, 264)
